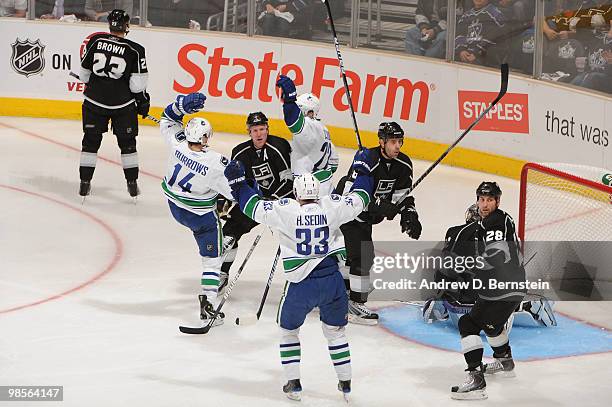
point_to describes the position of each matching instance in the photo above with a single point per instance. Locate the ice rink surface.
(91, 296)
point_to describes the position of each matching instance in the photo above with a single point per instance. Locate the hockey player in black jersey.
(266, 159)
(498, 246)
(114, 70)
(392, 172)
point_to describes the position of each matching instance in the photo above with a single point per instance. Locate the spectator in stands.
(280, 16)
(595, 70)
(517, 10)
(56, 9)
(562, 42)
(183, 13)
(481, 35)
(13, 8)
(98, 10)
(428, 38)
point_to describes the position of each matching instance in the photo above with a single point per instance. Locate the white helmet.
(308, 102)
(306, 186)
(196, 129)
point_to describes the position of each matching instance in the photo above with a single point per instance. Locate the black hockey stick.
(204, 329)
(341, 64)
(502, 92)
(250, 320)
(155, 119)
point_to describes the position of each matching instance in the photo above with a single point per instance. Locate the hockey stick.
(204, 329)
(250, 320)
(341, 64)
(502, 92)
(155, 119)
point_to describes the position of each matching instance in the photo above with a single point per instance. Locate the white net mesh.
(565, 221)
(565, 202)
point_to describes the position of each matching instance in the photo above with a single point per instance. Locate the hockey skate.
(345, 387)
(359, 313)
(503, 365)
(132, 187)
(474, 387)
(207, 311)
(293, 389)
(85, 188)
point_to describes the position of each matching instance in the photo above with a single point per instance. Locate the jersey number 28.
(306, 246)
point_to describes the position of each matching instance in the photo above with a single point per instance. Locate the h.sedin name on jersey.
(28, 58)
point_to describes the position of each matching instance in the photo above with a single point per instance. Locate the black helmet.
(488, 188)
(118, 21)
(256, 119)
(390, 130)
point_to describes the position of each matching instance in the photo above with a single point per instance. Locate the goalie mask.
(197, 129)
(308, 102)
(306, 187)
(472, 214)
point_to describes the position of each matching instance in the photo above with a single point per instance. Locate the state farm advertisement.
(238, 74)
(509, 115)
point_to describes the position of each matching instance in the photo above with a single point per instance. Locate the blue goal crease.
(569, 338)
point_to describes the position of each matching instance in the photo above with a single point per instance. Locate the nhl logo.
(27, 58)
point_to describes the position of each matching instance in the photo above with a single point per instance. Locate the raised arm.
(171, 123)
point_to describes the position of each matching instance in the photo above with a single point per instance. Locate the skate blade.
(501, 373)
(294, 395)
(354, 319)
(471, 395)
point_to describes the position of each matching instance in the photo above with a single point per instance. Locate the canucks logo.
(27, 58)
(607, 179)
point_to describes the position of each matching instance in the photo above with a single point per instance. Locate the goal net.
(565, 224)
(565, 202)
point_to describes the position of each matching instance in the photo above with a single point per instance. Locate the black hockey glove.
(384, 207)
(143, 103)
(410, 224)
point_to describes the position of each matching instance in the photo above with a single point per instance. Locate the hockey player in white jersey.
(311, 243)
(311, 148)
(193, 182)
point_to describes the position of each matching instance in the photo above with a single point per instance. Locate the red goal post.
(565, 202)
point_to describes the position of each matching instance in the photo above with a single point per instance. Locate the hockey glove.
(410, 224)
(143, 103)
(362, 163)
(192, 103)
(234, 172)
(385, 208)
(289, 93)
